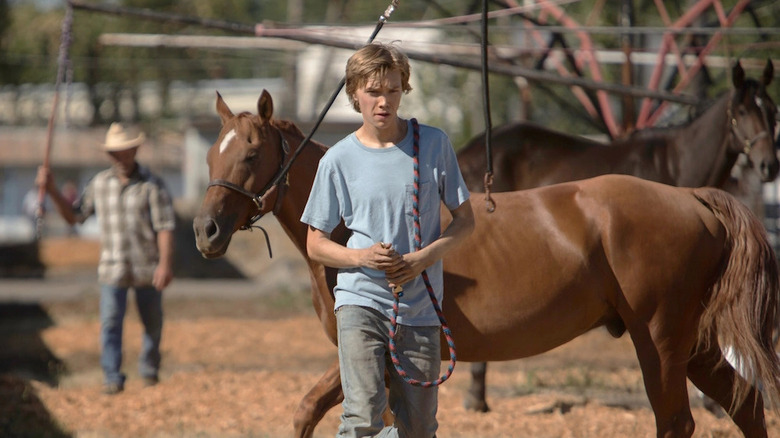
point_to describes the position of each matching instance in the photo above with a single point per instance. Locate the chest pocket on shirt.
(428, 197)
(135, 206)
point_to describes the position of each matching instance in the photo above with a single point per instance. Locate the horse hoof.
(471, 404)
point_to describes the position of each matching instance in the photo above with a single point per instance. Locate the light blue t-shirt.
(372, 191)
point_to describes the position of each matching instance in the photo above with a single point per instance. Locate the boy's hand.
(381, 256)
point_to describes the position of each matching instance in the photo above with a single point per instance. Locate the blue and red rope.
(394, 356)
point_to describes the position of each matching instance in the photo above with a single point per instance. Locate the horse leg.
(474, 399)
(715, 379)
(318, 401)
(664, 374)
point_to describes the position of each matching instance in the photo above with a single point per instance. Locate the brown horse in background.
(701, 153)
(680, 269)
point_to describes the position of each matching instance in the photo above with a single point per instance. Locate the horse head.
(752, 116)
(245, 166)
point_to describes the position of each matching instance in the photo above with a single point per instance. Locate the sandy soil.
(237, 367)
(243, 377)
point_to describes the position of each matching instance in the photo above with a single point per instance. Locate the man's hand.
(163, 274)
(45, 179)
(162, 277)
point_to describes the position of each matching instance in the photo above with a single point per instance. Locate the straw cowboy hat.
(117, 139)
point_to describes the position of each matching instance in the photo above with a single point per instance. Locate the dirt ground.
(237, 366)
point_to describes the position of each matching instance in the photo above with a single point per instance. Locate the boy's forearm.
(322, 249)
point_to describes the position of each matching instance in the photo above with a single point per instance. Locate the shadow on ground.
(38, 259)
(22, 414)
(189, 263)
(25, 357)
(20, 260)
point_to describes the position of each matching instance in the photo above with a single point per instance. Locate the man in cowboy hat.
(136, 221)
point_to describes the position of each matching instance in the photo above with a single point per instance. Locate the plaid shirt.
(129, 218)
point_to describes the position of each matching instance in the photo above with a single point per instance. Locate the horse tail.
(743, 308)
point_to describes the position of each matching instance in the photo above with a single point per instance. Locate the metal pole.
(490, 205)
(302, 36)
(283, 174)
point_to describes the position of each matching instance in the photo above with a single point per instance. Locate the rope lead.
(396, 296)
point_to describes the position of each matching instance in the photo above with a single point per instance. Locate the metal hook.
(490, 204)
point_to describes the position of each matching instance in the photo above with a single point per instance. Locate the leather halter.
(747, 142)
(273, 185)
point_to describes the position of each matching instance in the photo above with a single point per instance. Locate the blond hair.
(375, 60)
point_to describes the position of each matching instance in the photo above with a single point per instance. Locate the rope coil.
(394, 356)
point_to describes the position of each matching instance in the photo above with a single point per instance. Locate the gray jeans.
(364, 355)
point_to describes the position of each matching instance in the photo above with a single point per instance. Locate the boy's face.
(379, 100)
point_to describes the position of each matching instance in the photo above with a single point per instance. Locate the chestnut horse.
(701, 153)
(680, 269)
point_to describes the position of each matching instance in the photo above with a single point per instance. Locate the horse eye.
(251, 156)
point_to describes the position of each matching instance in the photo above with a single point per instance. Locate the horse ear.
(222, 109)
(265, 106)
(737, 75)
(769, 72)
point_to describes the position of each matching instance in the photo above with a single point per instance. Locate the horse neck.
(301, 178)
(702, 148)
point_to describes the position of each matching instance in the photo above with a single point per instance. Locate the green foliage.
(5, 22)
(30, 40)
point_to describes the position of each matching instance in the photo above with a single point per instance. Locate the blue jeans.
(364, 355)
(113, 304)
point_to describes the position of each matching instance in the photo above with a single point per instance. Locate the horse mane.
(239, 118)
(749, 85)
(287, 126)
(281, 124)
(655, 131)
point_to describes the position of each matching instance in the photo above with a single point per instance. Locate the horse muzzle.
(769, 170)
(211, 238)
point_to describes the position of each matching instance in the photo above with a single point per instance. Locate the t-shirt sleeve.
(454, 191)
(322, 209)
